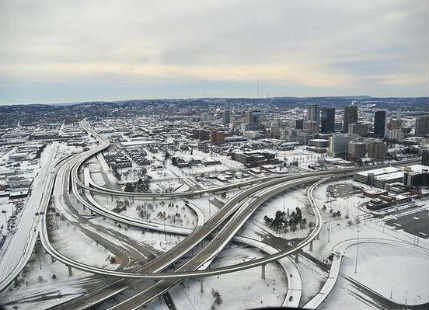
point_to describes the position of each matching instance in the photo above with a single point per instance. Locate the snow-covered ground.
(42, 277)
(157, 240)
(70, 241)
(285, 202)
(312, 279)
(393, 271)
(176, 213)
(241, 290)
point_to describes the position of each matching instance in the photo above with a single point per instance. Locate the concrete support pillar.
(317, 237)
(311, 245)
(52, 259)
(70, 271)
(296, 258)
(201, 286)
(263, 272)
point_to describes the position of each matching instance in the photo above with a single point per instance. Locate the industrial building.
(379, 177)
(319, 142)
(416, 175)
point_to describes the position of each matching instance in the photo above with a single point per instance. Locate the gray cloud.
(336, 47)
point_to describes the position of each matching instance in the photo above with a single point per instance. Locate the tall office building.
(252, 117)
(422, 126)
(328, 120)
(376, 149)
(350, 116)
(358, 129)
(425, 157)
(356, 149)
(248, 117)
(313, 113)
(299, 124)
(338, 144)
(380, 124)
(226, 117)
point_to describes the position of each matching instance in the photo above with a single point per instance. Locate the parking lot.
(416, 223)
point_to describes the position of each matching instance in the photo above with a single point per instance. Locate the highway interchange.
(67, 178)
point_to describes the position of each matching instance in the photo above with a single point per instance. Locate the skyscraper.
(313, 113)
(350, 116)
(226, 117)
(425, 157)
(380, 124)
(328, 120)
(422, 126)
(299, 124)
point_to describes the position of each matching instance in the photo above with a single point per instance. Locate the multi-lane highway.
(19, 248)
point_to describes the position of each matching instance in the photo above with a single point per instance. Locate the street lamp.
(357, 250)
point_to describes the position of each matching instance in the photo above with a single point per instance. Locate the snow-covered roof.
(390, 176)
(380, 171)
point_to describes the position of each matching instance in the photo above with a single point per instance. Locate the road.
(18, 251)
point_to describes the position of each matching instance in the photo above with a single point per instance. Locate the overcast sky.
(69, 51)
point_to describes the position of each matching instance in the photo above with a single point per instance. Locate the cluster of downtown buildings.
(339, 133)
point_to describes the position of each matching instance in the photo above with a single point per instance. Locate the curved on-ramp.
(170, 275)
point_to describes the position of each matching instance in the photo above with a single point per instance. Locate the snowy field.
(71, 242)
(241, 290)
(172, 212)
(157, 240)
(312, 279)
(44, 278)
(285, 202)
(393, 272)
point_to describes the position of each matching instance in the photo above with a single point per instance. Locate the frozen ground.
(241, 290)
(312, 279)
(176, 213)
(38, 280)
(157, 240)
(378, 269)
(285, 202)
(394, 272)
(71, 242)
